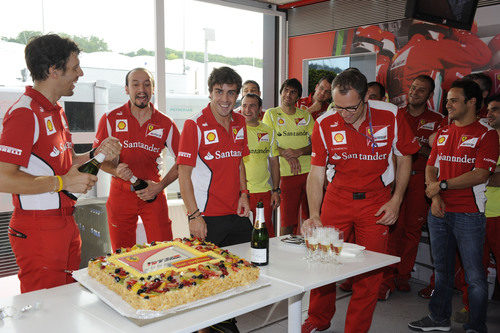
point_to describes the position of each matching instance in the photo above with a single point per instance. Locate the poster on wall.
(408, 48)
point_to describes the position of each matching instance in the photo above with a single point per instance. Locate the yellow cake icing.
(163, 275)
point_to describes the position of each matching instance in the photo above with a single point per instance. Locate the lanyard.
(370, 138)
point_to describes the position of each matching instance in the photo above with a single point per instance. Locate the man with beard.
(405, 235)
(293, 128)
(463, 156)
(143, 132)
(37, 162)
(318, 102)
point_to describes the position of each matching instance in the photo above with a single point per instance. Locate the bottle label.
(258, 255)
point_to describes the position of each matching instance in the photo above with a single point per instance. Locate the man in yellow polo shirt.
(262, 165)
(293, 128)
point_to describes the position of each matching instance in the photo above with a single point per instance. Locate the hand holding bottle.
(110, 147)
(124, 172)
(78, 182)
(146, 190)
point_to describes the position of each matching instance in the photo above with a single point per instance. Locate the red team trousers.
(340, 210)
(404, 236)
(293, 196)
(124, 206)
(265, 197)
(49, 252)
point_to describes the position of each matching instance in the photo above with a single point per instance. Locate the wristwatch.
(277, 189)
(443, 185)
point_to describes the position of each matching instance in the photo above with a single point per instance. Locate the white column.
(101, 106)
(160, 100)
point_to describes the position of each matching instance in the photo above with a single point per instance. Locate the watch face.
(443, 185)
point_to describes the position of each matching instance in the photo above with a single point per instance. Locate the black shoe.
(426, 324)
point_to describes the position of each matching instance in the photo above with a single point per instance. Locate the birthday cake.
(163, 275)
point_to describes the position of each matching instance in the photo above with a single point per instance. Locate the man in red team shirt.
(463, 156)
(318, 102)
(211, 170)
(359, 138)
(143, 132)
(37, 161)
(405, 235)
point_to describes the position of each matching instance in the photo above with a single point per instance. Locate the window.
(80, 116)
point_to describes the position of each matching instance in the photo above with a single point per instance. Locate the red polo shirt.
(305, 102)
(361, 165)
(457, 150)
(422, 126)
(141, 145)
(36, 137)
(215, 156)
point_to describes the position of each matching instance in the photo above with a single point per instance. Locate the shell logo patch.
(121, 125)
(262, 137)
(281, 121)
(210, 136)
(441, 141)
(132, 258)
(339, 138)
(49, 125)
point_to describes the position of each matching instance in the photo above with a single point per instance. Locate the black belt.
(359, 195)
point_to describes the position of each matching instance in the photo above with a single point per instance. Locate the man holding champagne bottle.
(136, 186)
(37, 163)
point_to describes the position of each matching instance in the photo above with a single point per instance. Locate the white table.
(72, 308)
(287, 263)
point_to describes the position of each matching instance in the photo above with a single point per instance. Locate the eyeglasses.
(350, 109)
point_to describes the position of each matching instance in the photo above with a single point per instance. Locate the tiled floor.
(392, 315)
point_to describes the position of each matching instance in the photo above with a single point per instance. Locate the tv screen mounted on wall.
(453, 13)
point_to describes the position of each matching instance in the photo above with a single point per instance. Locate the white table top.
(72, 308)
(287, 263)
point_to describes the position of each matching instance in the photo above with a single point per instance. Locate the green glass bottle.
(260, 238)
(139, 184)
(92, 166)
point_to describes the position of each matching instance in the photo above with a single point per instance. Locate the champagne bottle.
(140, 184)
(260, 238)
(92, 166)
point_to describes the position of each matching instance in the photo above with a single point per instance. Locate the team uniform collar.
(46, 105)
(151, 106)
(207, 112)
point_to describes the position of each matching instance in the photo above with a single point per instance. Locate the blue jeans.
(465, 231)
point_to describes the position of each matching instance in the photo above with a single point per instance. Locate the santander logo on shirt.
(222, 154)
(463, 159)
